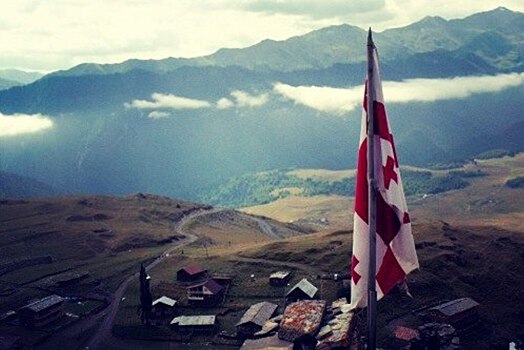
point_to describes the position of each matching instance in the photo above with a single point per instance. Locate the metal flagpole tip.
(370, 38)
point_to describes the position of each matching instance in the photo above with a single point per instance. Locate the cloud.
(158, 115)
(428, 90)
(338, 100)
(314, 8)
(322, 98)
(19, 124)
(244, 99)
(162, 101)
(224, 103)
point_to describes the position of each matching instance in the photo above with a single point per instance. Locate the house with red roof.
(208, 292)
(191, 273)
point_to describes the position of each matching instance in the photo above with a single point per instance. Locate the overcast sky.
(47, 35)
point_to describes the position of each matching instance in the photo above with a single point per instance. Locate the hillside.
(103, 235)
(485, 200)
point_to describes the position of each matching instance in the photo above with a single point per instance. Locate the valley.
(469, 242)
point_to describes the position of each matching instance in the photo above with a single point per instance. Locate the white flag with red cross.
(395, 247)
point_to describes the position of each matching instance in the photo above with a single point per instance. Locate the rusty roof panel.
(301, 318)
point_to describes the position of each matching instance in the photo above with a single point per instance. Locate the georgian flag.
(396, 255)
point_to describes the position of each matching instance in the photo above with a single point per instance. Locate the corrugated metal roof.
(305, 286)
(44, 303)
(204, 320)
(164, 300)
(455, 306)
(258, 313)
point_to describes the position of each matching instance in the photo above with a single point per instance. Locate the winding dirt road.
(108, 315)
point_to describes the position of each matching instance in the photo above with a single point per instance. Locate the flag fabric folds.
(395, 247)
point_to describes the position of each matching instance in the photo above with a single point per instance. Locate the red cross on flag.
(395, 248)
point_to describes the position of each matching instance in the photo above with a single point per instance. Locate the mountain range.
(16, 77)
(179, 125)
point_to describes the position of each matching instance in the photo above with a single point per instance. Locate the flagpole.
(372, 293)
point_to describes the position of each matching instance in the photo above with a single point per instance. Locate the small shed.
(208, 292)
(42, 312)
(191, 273)
(255, 317)
(163, 307)
(279, 278)
(200, 323)
(455, 312)
(303, 290)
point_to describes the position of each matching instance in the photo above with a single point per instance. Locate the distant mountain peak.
(502, 9)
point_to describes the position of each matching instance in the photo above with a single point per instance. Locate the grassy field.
(486, 200)
(105, 236)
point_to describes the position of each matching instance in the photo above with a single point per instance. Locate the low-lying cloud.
(160, 104)
(322, 98)
(339, 100)
(244, 99)
(429, 90)
(20, 124)
(168, 101)
(158, 115)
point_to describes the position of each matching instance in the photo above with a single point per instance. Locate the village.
(201, 306)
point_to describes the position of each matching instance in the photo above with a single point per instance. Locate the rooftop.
(305, 286)
(280, 274)
(272, 343)
(193, 269)
(210, 284)
(44, 303)
(258, 313)
(455, 306)
(205, 320)
(301, 318)
(164, 300)
(405, 333)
